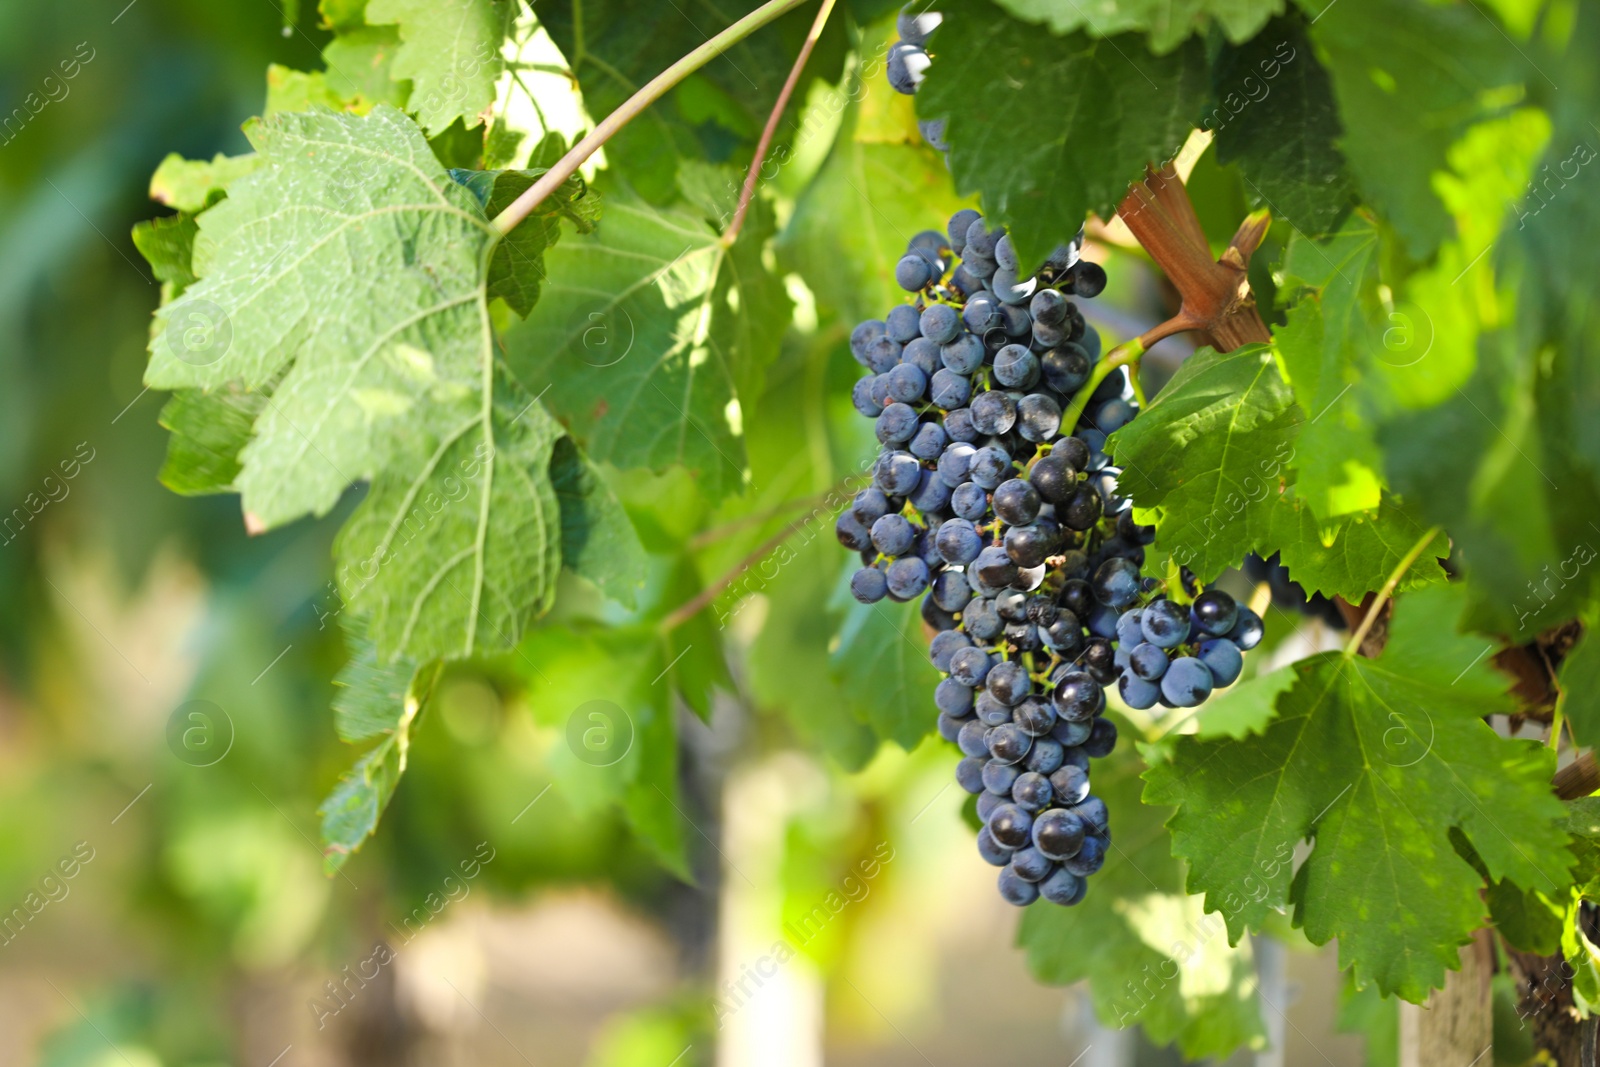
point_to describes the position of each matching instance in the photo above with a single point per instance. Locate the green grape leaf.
(375, 699)
(597, 538)
(716, 112)
(342, 16)
(631, 347)
(404, 251)
(192, 185)
(1113, 109)
(517, 270)
(458, 540)
(1167, 22)
(1209, 453)
(851, 224)
(369, 694)
(1376, 761)
(1149, 952)
(1276, 119)
(881, 656)
(450, 52)
(167, 244)
(299, 90)
(208, 430)
(1207, 461)
(366, 315)
(1410, 77)
(359, 62)
(1324, 348)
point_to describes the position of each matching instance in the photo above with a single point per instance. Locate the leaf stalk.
(655, 89)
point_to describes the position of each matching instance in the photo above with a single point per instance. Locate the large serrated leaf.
(1210, 453)
(1410, 76)
(458, 541)
(881, 656)
(351, 266)
(1376, 761)
(598, 540)
(630, 348)
(1209, 463)
(449, 51)
(209, 430)
(346, 289)
(1275, 117)
(374, 698)
(1112, 108)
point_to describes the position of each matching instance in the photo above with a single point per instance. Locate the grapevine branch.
(693, 607)
(754, 174)
(1216, 293)
(551, 180)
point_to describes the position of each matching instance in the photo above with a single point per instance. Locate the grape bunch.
(1006, 520)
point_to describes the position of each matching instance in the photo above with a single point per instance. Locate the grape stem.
(691, 608)
(1126, 354)
(1216, 293)
(1387, 591)
(655, 89)
(754, 174)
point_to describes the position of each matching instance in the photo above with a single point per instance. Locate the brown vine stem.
(1216, 293)
(1388, 590)
(567, 166)
(691, 608)
(754, 175)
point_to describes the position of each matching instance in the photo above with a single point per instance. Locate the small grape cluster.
(907, 61)
(1009, 519)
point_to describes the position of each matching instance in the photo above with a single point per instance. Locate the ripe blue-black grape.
(1187, 682)
(990, 849)
(990, 710)
(1030, 864)
(1063, 887)
(998, 778)
(1223, 659)
(1247, 631)
(1069, 783)
(1058, 833)
(1030, 791)
(1010, 825)
(869, 585)
(1015, 366)
(1045, 756)
(1015, 889)
(969, 774)
(1009, 682)
(993, 412)
(944, 645)
(1007, 743)
(1165, 624)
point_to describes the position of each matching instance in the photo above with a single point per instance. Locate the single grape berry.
(868, 585)
(1187, 683)
(1077, 697)
(1015, 889)
(1165, 624)
(1011, 826)
(1214, 612)
(1016, 502)
(1058, 833)
(1030, 791)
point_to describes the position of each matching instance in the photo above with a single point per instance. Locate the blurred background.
(837, 914)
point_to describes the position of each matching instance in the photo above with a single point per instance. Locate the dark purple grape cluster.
(1006, 520)
(994, 500)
